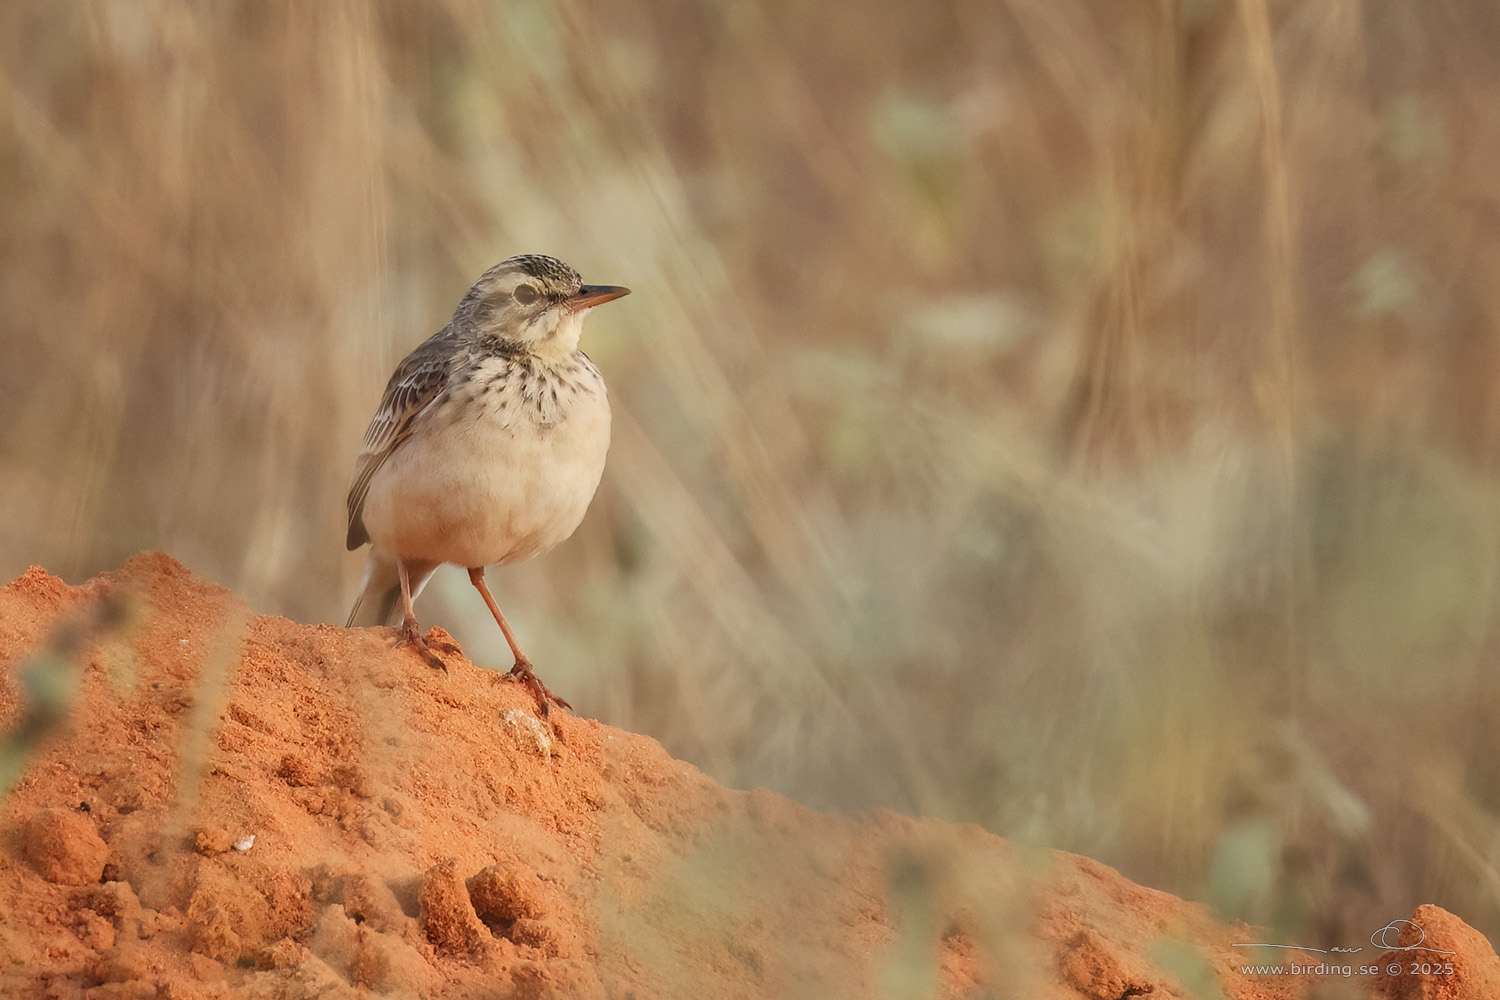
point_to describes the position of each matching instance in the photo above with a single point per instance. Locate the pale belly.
(487, 491)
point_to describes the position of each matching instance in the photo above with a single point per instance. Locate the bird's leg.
(410, 633)
(522, 670)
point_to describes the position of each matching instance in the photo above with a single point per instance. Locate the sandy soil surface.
(217, 804)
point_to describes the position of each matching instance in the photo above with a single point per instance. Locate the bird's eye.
(525, 294)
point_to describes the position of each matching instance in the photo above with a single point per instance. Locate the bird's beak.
(590, 296)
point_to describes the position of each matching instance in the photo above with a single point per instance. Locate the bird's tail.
(379, 601)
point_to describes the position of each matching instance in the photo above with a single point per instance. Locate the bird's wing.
(417, 382)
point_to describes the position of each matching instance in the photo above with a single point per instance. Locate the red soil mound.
(216, 804)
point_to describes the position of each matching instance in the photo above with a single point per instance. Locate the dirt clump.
(1435, 956)
(64, 846)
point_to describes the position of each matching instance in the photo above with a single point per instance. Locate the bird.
(486, 449)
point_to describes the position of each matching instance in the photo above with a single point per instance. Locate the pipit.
(486, 449)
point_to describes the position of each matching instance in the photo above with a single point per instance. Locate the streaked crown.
(529, 303)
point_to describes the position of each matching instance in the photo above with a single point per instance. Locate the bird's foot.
(522, 673)
(445, 644)
(409, 633)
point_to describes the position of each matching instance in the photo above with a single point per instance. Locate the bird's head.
(531, 304)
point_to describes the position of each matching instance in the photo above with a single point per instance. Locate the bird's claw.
(410, 634)
(522, 673)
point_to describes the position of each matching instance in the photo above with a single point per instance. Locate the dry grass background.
(1074, 417)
